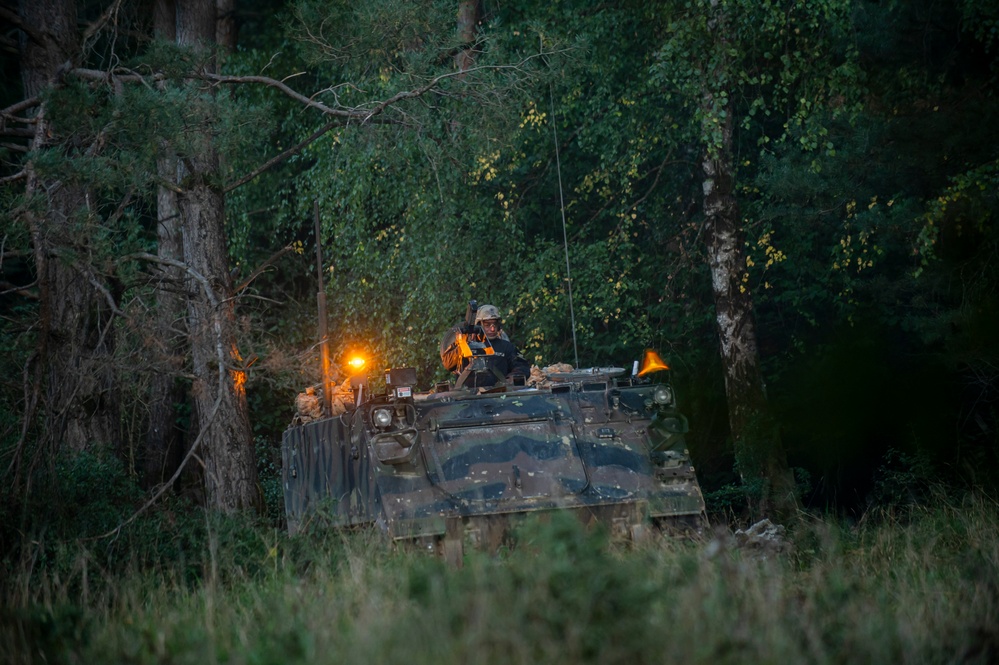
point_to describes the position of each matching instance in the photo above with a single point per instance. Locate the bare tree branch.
(169, 483)
(20, 106)
(20, 175)
(100, 287)
(19, 120)
(19, 290)
(262, 267)
(152, 258)
(17, 133)
(277, 159)
(32, 386)
(14, 19)
(85, 270)
(122, 74)
(172, 186)
(97, 25)
(360, 113)
(297, 96)
(365, 116)
(343, 114)
(222, 368)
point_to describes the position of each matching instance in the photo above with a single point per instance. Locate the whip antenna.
(565, 235)
(324, 338)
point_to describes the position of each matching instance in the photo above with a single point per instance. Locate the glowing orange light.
(356, 363)
(651, 363)
(239, 381)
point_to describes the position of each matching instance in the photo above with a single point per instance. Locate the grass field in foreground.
(924, 589)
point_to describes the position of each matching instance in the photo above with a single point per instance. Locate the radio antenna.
(565, 234)
(324, 338)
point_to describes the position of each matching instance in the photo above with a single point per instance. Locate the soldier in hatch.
(509, 361)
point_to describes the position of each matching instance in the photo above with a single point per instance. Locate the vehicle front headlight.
(663, 395)
(382, 417)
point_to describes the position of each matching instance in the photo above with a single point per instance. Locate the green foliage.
(269, 476)
(732, 502)
(982, 19)
(380, 35)
(967, 210)
(865, 161)
(78, 531)
(68, 504)
(561, 594)
(774, 65)
(902, 482)
(421, 217)
(727, 501)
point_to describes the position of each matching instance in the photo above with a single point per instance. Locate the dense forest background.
(794, 203)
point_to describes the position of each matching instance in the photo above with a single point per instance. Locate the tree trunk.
(163, 439)
(76, 338)
(225, 28)
(165, 20)
(219, 386)
(164, 445)
(759, 453)
(469, 14)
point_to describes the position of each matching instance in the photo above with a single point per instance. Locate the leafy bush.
(901, 482)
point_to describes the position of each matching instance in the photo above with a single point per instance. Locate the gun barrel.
(473, 308)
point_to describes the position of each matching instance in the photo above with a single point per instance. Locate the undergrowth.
(179, 585)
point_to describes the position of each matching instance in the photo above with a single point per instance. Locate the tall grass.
(920, 590)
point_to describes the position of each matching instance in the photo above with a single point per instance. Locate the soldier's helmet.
(486, 312)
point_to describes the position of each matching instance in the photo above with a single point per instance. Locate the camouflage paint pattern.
(467, 460)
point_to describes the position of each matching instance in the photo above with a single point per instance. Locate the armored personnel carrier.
(452, 467)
